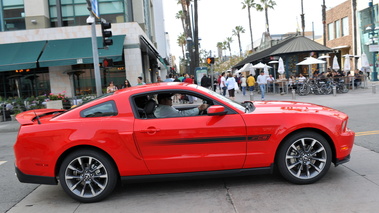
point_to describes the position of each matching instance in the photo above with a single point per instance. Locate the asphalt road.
(352, 187)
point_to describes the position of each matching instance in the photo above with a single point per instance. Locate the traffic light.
(105, 30)
(210, 60)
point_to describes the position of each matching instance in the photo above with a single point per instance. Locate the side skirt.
(198, 175)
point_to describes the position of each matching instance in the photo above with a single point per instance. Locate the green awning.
(16, 56)
(79, 51)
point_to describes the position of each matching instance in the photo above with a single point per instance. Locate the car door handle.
(151, 130)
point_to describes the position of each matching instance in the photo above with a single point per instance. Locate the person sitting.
(166, 110)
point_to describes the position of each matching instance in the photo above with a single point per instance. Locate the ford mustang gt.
(118, 137)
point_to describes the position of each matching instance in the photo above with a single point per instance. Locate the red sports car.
(123, 136)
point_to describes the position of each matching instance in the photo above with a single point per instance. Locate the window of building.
(345, 26)
(75, 12)
(13, 15)
(338, 28)
(331, 31)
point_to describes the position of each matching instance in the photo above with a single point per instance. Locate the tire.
(304, 158)
(87, 176)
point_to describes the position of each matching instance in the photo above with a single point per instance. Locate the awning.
(79, 51)
(16, 56)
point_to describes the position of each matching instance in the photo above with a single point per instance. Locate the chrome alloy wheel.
(306, 158)
(86, 177)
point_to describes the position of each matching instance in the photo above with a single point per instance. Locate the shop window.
(345, 26)
(331, 31)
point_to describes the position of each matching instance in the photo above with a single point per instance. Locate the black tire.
(88, 176)
(304, 158)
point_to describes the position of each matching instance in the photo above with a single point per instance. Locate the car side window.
(101, 110)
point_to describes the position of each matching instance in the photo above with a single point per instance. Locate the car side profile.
(117, 137)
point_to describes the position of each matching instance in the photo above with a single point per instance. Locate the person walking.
(111, 87)
(251, 82)
(126, 84)
(231, 84)
(243, 85)
(205, 81)
(140, 81)
(223, 84)
(262, 81)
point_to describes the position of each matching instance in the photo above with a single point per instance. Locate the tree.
(237, 32)
(182, 42)
(220, 47)
(265, 5)
(249, 4)
(228, 41)
(180, 15)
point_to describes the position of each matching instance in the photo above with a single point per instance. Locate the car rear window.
(101, 110)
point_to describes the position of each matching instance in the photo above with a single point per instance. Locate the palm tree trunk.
(239, 43)
(251, 30)
(267, 25)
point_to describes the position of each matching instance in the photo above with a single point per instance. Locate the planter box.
(54, 104)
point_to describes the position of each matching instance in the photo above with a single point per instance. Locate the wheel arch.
(318, 131)
(85, 147)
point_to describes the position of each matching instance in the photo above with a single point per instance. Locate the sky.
(217, 19)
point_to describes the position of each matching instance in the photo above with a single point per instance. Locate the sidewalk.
(357, 96)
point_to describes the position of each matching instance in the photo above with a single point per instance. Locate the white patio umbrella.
(281, 69)
(346, 65)
(260, 65)
(265, 69)
(335, 65)
(310, 61)
(364, 61)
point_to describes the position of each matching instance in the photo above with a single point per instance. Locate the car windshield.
(239, 106)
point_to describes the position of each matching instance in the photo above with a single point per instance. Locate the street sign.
(373, 48)
(95, 8)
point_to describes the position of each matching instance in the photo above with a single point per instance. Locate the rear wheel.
(304, 158)
(87, 176)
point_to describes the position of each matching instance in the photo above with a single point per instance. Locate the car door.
(192, 144)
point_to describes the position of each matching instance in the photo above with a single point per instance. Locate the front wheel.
(304, 158)
(87, 176)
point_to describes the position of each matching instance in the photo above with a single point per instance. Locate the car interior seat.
(149, 108)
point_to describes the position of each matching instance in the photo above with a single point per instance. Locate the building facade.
(45, 45)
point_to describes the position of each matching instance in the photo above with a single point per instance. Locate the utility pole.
(196, 36)
(302, 17)
(324, 21)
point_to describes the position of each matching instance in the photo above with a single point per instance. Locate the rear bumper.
(24, 178)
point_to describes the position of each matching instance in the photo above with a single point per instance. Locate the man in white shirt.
(302, 79)
(262, 81)
(270, 83)
(223, 84)
(166, 110)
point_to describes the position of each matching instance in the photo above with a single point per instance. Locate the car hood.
(269, 107)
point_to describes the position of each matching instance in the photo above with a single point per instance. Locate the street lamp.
(373, 36)
(189, 55)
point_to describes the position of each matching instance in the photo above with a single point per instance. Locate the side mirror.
(216, 110)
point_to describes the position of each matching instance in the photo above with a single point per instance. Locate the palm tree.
(249, 4)
(228, 41)
(180, 15)
(266, 4)
(237, 32)
(219, 49)
(182, 42)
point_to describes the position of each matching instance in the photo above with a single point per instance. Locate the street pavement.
(351, 187)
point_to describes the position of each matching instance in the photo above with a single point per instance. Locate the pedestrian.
(177, 79)
(223, 83)
(126, 84)
(270, 83)
(251, 82)
(190, 81)
(231, 84)
(140, 81)
(169, 78)
(159, 79)
(111, 87)
(205, 81)
(181, 78)
(262, 81)
(243, 85)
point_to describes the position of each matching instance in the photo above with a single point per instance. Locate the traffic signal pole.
(95, 56)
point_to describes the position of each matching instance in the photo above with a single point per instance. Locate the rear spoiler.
(28, 117)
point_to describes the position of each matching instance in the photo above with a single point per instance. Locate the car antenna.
(37, 117)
